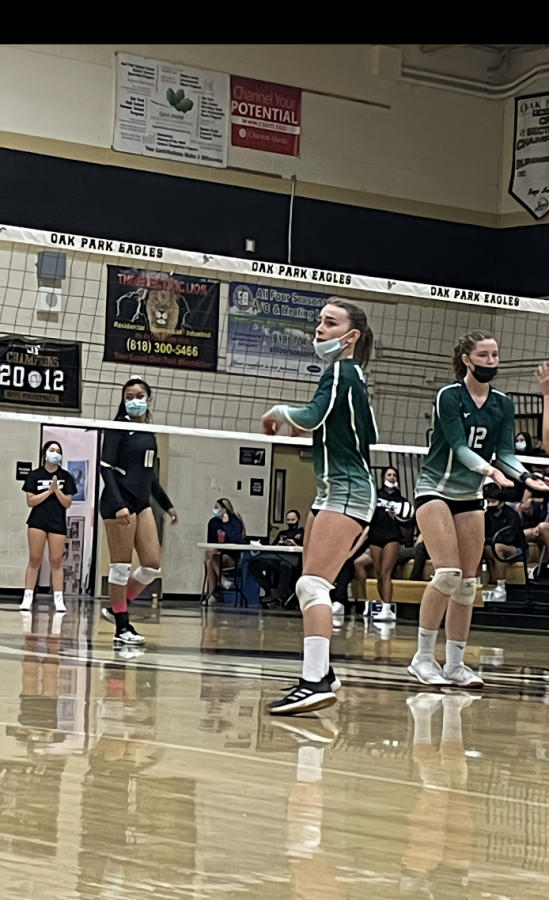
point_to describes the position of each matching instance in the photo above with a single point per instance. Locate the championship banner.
(530, 178)
(171, 112)
(157, 319)
(39, 372)
(234, 265)
(271, 331)
(265, 116)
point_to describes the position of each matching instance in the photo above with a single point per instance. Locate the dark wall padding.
(50, 193)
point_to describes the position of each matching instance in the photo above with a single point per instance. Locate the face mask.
(389, 485)
(328, 350)
(53, 457)
(136, 408)
(218, 513)
(291, 524)
(520, 445)
(484, 374)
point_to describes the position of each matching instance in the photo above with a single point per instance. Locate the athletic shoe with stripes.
(427, 671)
(305, 696)
(333, 680)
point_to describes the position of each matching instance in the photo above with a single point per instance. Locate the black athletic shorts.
(133, 504)
(362, 522)
(455, 506)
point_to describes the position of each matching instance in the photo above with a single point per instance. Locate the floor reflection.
(161, 776)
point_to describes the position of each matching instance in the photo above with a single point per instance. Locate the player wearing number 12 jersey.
(473, 424)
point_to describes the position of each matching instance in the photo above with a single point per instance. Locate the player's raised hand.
(542, 374)
(537, 483)
(500, 479)
(270, 424)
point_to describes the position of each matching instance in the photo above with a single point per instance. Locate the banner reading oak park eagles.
(271, 331)
(158, 319)
(530, 178)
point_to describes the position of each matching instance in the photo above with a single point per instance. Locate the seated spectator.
(339, 593)
(386, 537)
(503, 523)
(419, 554)
(533, 515)
(277, 573)
(226, 527)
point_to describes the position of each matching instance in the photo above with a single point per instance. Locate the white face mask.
(217, 512)
(389, 485)
(53, 457)
(328, 350)
(520, 445)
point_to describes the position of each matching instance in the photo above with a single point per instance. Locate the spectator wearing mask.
(225, 527)
(503, 523)
(277, 573)
(386, 538)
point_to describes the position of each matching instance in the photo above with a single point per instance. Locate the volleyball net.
(221, 340)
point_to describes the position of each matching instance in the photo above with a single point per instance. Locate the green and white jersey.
(343, 426)
(464, 440)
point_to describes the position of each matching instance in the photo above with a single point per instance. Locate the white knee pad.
(311, 590)
(467, 592)
(119, 573)
(144, 575)
(447, 581)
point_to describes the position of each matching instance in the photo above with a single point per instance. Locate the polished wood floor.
(161, 776)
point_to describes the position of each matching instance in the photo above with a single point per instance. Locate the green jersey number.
(477, 435)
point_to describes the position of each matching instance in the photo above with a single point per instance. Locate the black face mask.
(484, 374)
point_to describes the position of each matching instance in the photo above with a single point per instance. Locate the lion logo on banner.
(162, 308)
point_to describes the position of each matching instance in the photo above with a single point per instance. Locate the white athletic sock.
(26, 603)
(426, 642)
(58, 601)
(454, 653)
(316, 658)
(422, 724)
(451, 722)
(309, 764)
(385, 608)
(501, 582)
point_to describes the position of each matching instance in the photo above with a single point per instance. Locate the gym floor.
(161, 775)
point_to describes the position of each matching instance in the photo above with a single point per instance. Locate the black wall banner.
(161, 319)
(38, 372)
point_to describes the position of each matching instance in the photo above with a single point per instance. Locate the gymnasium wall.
(368, 137)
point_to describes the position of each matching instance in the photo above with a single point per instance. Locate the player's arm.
(448, 409)
(109, 462)
(507, 461)
(162, 498)
(310, 417)
(542, 375)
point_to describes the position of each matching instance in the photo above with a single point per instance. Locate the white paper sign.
(530, 178)
(171, 112)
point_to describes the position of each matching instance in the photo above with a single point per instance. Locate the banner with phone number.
(271, 331)
(161, 319)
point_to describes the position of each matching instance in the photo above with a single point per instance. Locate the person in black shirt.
(385, 537)
(275, 572)
(503, 523)
(49, 492)
(127, 468)
(230, 523)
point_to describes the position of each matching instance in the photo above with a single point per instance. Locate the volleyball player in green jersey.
(473, 424)
(343, 426)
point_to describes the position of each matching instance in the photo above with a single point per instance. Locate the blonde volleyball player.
(343, 428)
(473, 424)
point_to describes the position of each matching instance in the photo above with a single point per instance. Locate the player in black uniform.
(385, 538)
(49, 492)
(343, 427)
(473, 424)
(127, 461)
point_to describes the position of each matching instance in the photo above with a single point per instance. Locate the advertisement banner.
(158, 319)
(265, 116)
(271, 331)
(171, 112)
(39, 373)
(530, 178)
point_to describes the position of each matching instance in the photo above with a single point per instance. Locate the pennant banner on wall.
(530, 178)
(218, 266)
